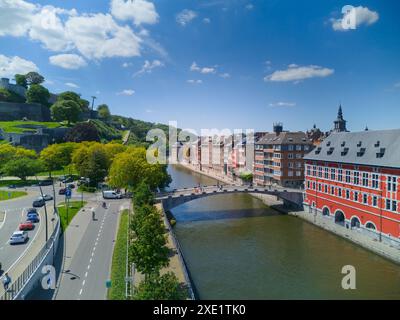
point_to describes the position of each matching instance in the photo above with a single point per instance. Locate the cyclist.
(93, 214)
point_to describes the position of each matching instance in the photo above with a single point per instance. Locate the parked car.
(62, 191)
(34, 218)
(44, 183)
(38, 203)
(46, 197)
(19, 237)
(31, 210)
(26, 226)
(71, 186)
(68, 180)
(12, 186)
(109, 194)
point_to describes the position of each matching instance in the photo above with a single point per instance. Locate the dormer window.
(318, 151)
(345, 151)
(359, 144)
(361, 152)
(330, 151)
(381, 153)
(328, 144)
(343, 143)
(377, 144)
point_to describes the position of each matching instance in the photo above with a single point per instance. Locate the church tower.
(340, 123)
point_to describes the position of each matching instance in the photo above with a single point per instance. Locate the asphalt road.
(88, 253)
(14, 209)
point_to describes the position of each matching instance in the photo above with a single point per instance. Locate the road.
(88, 253)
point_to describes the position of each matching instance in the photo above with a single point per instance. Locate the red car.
(26, 226)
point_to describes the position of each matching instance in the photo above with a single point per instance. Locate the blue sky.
(217, 63)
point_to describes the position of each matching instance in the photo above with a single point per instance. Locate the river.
(238, 248)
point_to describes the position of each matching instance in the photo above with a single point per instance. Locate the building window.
(298, 164)
(365, 179)
(375, 201)
(375, 181)
(326, 188)
(326, 173)
(355, 196)
(308, 184)
(314, 171)
(333, 191)
(306, 148)
(333, 174)
(394, 205)
(339, 192)
(298, 147)
(365, 198)
(392, 184)
(388, 204)
(340, 175)
(356, 177)
(319, 187)
(290, 147)
(290, 174)
(320, 172)
(347, 194)
(299, 156)
(348, 177)
(298, 173)
(308, 170)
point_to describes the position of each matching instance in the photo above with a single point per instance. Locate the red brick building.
(353, 180)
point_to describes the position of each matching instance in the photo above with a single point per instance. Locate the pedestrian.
(6, 281)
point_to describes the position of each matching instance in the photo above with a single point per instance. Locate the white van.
(109, 194)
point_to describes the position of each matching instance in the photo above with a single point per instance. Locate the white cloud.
(15, 17)
(225, 75)
(185, 16)
(126, 92)
(203, 70)
(72, 85)
(282, 104)
(10, 66)
(139, 11)
(148, 67)
(68, 61)
(207, 20)
(195, 81)
(95, 36)
(363, 16)
(127, 64)
(298, 73)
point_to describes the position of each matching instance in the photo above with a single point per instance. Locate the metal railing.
(16, 287)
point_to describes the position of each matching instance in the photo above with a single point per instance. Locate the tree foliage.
(34, 78)
(130, 168)
(84, 131)
(104, 112)
(160, 287)
(143, 195)
(73, 96)
(22, 168)
(57, 156)
(10, 96)
(65, 110)
(21, 80)
(38, 94)
(10, 153)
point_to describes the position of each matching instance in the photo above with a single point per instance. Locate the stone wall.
(17, 111)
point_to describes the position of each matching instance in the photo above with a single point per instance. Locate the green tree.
(34, 78)
(70, 95)
(84, 131)
(143, 195)
(65, 110)
(21, 80)
(10, 96)
(10, 153)
(104, 112)
(38, 94)
(157, 287)
(22, 168)
(148, 251)
(91, 161)
(57, 156)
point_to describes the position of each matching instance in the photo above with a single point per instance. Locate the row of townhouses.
(351, 178)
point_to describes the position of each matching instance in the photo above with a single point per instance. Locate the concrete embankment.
(177, 264)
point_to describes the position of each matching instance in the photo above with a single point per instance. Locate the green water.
(238, 248)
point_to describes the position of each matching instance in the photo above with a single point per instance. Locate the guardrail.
(18, 285)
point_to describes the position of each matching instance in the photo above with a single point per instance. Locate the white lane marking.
(83, 283)
(91, 259)
(4, 219)
(93, 253)
(80, 292)
(88, 267)
(86, 274)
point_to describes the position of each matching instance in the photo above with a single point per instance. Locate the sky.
(215, 63)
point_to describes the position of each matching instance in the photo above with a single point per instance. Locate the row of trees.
(148, 250)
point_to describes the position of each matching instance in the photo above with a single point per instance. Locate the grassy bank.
(74, 207)
(118, 270)
(7, 195)
(22, 126)
(17, 183)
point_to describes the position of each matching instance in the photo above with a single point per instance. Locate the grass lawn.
(61, 172)
(18, 183)
(17, 126)
(4, 195)
(118, 269)
(74, 207)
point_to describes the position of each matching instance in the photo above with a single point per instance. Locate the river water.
(238, 248)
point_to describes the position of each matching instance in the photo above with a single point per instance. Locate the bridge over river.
(290, 197)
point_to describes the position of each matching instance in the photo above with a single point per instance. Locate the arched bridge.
(170, 200)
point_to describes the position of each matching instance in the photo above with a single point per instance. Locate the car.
(33, 218)
(12, 186)
(71, 186)
(31, 210)
(38, 203)
(26, 226)
(19, 237)
(68, 180)
(44, 183)
(62, 191)
(46, 197)
(109, 194)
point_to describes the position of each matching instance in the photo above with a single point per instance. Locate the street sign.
(68, 193)
(108, 284)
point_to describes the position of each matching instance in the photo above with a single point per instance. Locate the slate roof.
(284, 137)
(375, 148)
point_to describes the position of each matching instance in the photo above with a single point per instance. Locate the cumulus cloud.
(207, 20)
(204, 70)
(362, 15)
(72, 85)
(225, 75)
(148, 67)
(10, 66)
(195, 81)
(185, 16)
(282, 104)
(95, 36)
(298, 73)
(126, 92)
(68, 61)
(139, 11)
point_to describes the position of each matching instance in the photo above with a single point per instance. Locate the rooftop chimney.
(278, 128)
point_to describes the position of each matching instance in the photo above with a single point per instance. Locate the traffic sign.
(108, 284)
(68, 193)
